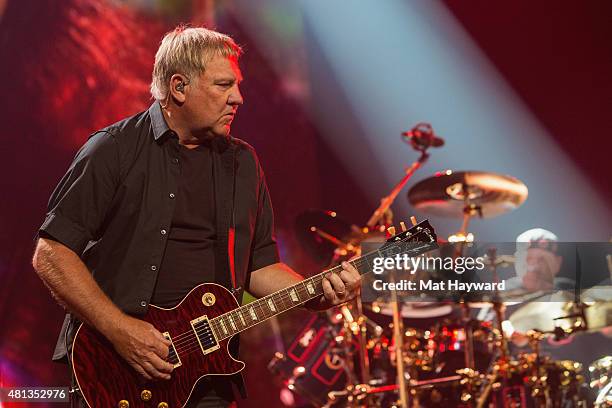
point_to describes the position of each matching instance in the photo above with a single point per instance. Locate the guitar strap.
(224, 176)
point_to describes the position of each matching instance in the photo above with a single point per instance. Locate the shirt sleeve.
(79, 204)
(265, 249)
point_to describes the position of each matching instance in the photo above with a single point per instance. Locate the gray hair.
(186, 51)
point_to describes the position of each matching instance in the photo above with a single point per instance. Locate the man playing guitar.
(161, 201)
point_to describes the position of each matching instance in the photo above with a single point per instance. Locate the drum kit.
(440, 354)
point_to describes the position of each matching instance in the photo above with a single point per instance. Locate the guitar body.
(200, 328)
(106, 379)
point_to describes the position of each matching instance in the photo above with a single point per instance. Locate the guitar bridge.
(204, 334)
(173, 357)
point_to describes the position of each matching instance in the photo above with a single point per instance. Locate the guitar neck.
(251, 314)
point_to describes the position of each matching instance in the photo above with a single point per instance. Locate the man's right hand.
(68, 278)
(142, 346)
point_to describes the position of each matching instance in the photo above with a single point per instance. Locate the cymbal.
(309, 227)
(448, 193)
(598, 293)
(545, 316)
(599, 315)
(542, 316)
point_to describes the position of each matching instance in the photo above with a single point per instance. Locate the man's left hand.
(339, 288)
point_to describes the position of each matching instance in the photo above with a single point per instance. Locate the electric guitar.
(199, 329)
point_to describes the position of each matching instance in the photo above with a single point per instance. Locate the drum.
(449, 338)
(531, 383)
(313, 364)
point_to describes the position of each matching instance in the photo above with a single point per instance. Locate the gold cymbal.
(448, 193)
(545, 316)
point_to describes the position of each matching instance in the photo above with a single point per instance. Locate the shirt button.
(143, 304)
(153, 267)
(171, 195)
(163, 232)
(175, 161)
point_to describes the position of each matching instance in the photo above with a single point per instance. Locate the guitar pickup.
(173, 357)
(204, 334)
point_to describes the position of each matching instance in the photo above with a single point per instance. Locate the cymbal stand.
(355, 326)
(541, 392)
(387, 201)
(398, 334)
(498, 306)
(342, 336)
(361, 328)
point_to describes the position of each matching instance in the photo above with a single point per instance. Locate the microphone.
(422, 137)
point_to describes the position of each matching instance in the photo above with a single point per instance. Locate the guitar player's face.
(212, 100)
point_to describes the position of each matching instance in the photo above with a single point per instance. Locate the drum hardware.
(601, 379)
(498, 306)
(397, 364)
(420, 138)
(398, 336)
(601, 372)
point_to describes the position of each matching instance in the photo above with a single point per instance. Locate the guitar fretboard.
(251, 314)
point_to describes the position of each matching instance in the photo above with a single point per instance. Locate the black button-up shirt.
(117, 199)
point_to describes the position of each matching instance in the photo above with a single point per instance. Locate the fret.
(229, 317)
(304, 290)
(259, 304)
(222, 323)
(239, 312)
(293, 295)
(213, 330)
(271, 304)
(278, 300)
(365, 261)
(252, 313)
(289, 297)
(310, 287)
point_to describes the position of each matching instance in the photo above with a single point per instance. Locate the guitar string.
(277, 297)
(183, 344)
(280, 297)
(215, 324)
(194, 346)
(188, 345)
(187, 350)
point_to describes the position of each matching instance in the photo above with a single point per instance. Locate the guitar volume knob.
(208, 299)
(123, 404)
(162, 405)
(146, 395)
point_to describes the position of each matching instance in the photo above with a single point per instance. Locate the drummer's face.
(542, 267)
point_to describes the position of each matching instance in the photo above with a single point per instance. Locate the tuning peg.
(403, 226)
(391, 230)
(413, 220)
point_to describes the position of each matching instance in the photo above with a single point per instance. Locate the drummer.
(539, 261)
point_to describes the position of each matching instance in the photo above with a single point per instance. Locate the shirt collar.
(158, 122)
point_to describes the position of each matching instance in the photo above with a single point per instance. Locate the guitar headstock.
(419, 232)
